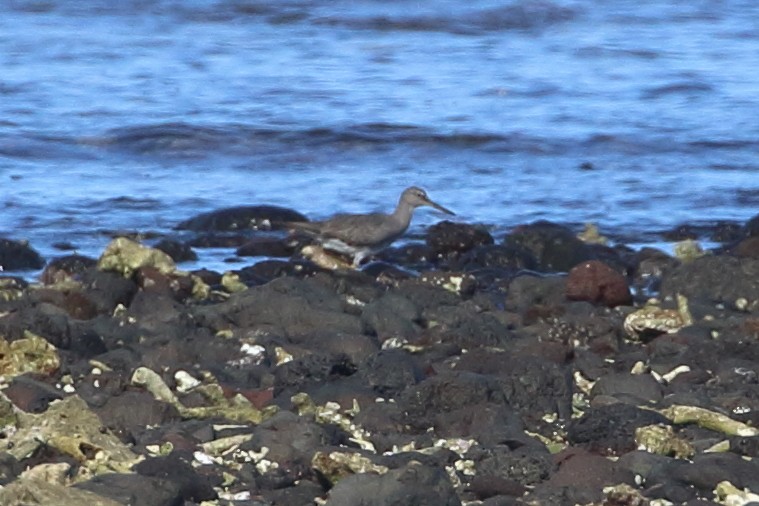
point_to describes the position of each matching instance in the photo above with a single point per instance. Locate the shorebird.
(360, 235)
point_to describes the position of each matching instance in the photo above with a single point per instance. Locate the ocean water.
(135, 115)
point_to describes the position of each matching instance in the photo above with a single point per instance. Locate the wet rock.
(220, 240)
(267, 270)
(19, 256)
(684, 232)
(412, 484)
(209, 277)
(242, 218)
(266, 247)
(508, 257)
(177, 250)
(460, 283)
(598, 283)
(411, 255)
(66, 268)
(555, 247)
(446, 238)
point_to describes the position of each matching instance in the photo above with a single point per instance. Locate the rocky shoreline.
(539, 368)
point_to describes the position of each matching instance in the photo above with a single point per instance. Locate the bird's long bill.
(439, 207)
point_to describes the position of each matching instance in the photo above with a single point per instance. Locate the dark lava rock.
(752, 227)
(641, 387)
(683, 232)
(290, 439)
(446, 237)
(598, 283)
(610, 429)
(77, 304)
(242, 218)
(107, 289)
(220, 240)
(285, 306)
(266, 247)
(530, 290)
(525, 465)
(10, 468)
(45, 320)
(302, 492)
(412, 255)
(389, 372)
(266, 270)
(459, 404)
(129, 412)
(583, 476)
(748, 247)
(192, 486)
(315, 368)
(466, 328)
(19, 256)
(532, 385)
(556, 248)
(177, 250)
(509, 257)
(415, 484)
(391, 315)
(708, 469)
(31, 395)
(135, 489)
(714, 279)
(64, 268)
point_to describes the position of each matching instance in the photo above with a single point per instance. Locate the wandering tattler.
(360, 235)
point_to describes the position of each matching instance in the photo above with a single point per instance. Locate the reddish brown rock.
(596, 282)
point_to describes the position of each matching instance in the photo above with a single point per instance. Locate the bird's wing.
(361, 229)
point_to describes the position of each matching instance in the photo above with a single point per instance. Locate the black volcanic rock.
(235, 219)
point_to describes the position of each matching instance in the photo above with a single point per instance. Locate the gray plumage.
(360, 235)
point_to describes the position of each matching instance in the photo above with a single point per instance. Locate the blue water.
(134, 115)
